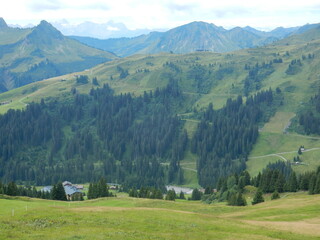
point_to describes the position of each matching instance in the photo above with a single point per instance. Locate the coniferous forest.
(123, 138)
(225, 137)
(133, 140)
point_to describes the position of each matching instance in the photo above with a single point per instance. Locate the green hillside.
(294, 216)
(204, 78)
(30, 55)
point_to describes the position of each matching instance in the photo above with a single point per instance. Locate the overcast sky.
(165, 14)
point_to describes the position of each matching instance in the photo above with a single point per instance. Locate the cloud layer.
(166, 13)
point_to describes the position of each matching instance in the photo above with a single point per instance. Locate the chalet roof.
(71, 190)
(66, 183)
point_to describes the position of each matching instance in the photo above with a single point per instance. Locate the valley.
(233, 115)
(222, 76)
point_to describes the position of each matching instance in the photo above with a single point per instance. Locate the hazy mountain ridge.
(195, 36)
(33, 54)
(106, 30)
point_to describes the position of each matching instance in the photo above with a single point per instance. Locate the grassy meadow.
(294, 216)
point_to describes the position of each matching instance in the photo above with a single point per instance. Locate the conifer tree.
(181, 196)
(317, 185)
(58, 192)
(312, 184)
(241, 201)
(258, 198)
(292, 185)
(12, 189)
(171, 195)
(275, 195)
(90, 191)
(196, 194)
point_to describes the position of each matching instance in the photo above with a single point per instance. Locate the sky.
(165, 14)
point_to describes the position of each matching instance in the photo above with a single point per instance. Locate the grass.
(272, 147)
(279, 122)
(127, 218)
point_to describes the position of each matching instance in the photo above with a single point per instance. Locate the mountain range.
(32, 54)
(195, 36)
(106, 30)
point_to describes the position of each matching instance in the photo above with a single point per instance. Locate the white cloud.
(165, 13)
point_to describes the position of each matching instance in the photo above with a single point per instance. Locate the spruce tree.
(241, 201)
(90, 191)
(181, 196)
(292, 185)
(171, 195)
(317, 185)
(12, 189)
(312, 184)
(102, 186)
(258, 198)
(58, 192)
(196, 194)
(275, 195)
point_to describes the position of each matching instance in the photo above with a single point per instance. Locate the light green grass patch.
(279, 122)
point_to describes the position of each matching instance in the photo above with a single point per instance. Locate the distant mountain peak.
(45, 33)
(3, 23)
(45, 26)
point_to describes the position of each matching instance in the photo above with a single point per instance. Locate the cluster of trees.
(123, 138)
(82, 79)
(123, 72)
(99, 189)
(310, 118)
(256, 75)
(294, 67)
(155, 193)
(56, 193)
(225, 137)
(146, 192)
(275, 178)
(12, 189)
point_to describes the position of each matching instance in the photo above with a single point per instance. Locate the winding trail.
(279, 154)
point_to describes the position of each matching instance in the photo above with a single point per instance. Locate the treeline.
(256, 74)
(11, 189)
(56, 193)
(99, 189)
(146, 192)
(309, 119)
(154, 193)
(225, 137)
(275, 178)
(123, 138)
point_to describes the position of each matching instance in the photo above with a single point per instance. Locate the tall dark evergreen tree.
(258, 198)
(58, 192)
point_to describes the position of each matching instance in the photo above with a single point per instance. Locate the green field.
(295, 216)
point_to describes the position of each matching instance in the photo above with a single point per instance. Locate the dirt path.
(279, 154)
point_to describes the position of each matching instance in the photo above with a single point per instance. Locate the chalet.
(70, 189)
